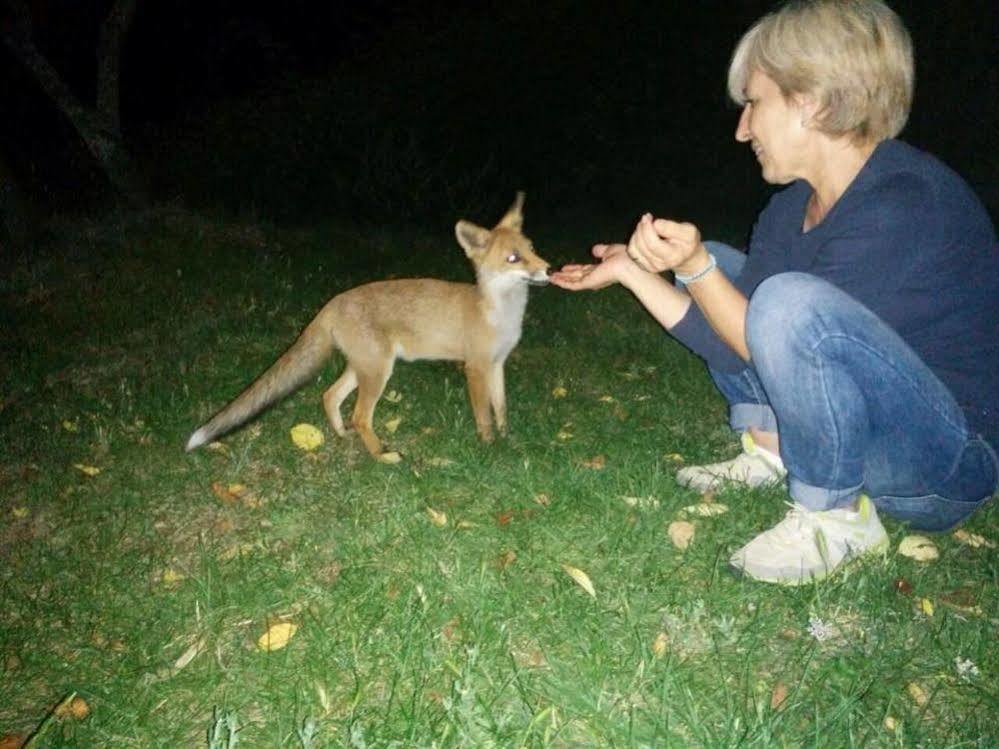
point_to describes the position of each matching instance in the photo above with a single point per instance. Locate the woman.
(858, 342)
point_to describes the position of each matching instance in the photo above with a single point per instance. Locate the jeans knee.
(780, 304)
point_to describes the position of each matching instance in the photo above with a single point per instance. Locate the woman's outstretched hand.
(613, 266)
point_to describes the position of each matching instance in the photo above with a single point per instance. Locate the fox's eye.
(513, 257)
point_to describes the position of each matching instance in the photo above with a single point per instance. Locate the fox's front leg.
(497, 396)
(479, 392)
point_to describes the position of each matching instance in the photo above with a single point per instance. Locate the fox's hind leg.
(371, 381)
(335, 396)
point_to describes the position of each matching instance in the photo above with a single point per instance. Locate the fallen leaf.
(392, 425)
(71, 426)
(437, 517)
(171, 576)
(660, 644)
(86, 470)
(440, 462)
(581, 578)
(559, 392)
(926, 606)
(464, 525)
(644, 503)
(393, 396)
(681, 533)
(306, 436)
(902, 586)
(778, 696)
(890, 723)
(542, 499)
(564, 435)
(705, 509)
(277, 636)
(674, 457)
(973, 540)
(13, 741)
(505, 559)
(504, 517)
(917, 694)
(597, 463)
(606, 399)
(390, 457)
(189, 655)
(74, 707)
(229, 494)
(20, 513)
(919, 548)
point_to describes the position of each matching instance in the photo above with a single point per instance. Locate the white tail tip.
(197, 440)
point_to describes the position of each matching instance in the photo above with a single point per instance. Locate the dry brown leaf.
(778, 696)
(189, 655)
(277, 636)
(597, 463)
(919, 548)
(229, 494)
(581, 578)
(681, 533)
(437, 517)
(903, 586)
(505, 559)
(13, 741)
(973, 540)
(75, 708)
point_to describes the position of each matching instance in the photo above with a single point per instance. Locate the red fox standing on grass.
(412, 318)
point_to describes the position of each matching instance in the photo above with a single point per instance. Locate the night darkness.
(301, 109)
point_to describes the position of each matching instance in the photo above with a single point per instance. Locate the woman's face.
(775, 128)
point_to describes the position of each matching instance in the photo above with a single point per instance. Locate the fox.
(377, 323)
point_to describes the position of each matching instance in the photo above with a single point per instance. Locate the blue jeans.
(856, 409)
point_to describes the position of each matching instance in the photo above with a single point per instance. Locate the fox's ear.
(473, 238)
(514, 218)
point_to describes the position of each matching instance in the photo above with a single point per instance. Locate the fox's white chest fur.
(505, 299)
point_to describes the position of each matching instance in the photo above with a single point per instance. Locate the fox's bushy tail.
(300, 362)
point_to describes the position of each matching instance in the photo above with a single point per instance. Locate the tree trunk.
(99, 127)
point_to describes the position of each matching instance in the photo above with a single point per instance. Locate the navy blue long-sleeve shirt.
(912, 242)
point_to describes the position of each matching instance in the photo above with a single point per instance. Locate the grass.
(144, 588)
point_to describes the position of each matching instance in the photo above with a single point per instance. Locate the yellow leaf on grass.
(674, 457)
(890, 723)
(559, 392)
(597, 463)
(681, 533)
(71, 426)
(660, 644)
(393, 396)
(277, 636)
(581, 578)
(86, 470)
(437, 517)
(392, 425)
(705, 509)
(391, 457)
(973, 540)
(306, 436)
(919, 548)
(20, 512)
(926, 606)
(917, 693)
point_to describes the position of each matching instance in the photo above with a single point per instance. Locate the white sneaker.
(808, 545)
(754, 466)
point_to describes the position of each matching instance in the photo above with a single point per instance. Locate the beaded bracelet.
(712, 264)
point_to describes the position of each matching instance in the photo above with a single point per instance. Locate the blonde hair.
(853, 56)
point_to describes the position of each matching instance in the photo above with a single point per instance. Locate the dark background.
(402, 112)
